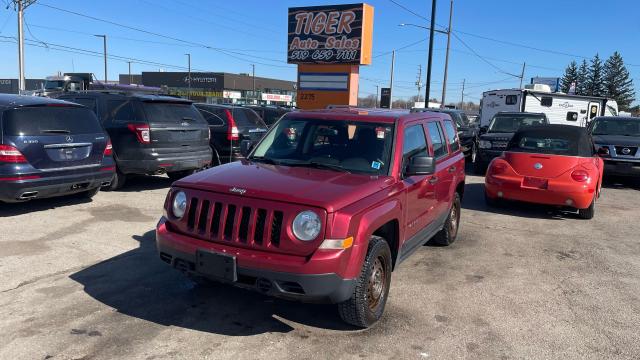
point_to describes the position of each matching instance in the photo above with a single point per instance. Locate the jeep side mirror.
(420, 165)
(245, 147)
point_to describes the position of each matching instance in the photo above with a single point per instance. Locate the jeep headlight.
(179, 204)
(306, 226)
(484, 144)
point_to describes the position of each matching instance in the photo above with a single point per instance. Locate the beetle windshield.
(349, 146)
(511, 123)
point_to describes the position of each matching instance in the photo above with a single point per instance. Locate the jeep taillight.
(9, 154)
(142, 132)
(108, 150)
(580, 175)
(232, 129)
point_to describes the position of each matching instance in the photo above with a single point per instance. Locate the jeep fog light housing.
(179, 204)
(484, 144)
(306, 226)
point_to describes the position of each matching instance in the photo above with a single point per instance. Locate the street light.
(104, 44)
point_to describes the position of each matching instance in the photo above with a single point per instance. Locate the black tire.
(363, 309)
(449, 232)
(589, 212)
(118, 181)
(177, 175)
(90, 193)
(479, 167)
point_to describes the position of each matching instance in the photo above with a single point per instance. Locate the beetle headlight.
(306, 226)
(484, 144)
(179, 204)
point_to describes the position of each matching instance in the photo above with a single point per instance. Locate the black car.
(151, 134)
(467, 131)
(51, 148)
(269, 114)
(617, 140)
(230, 125)
(495, 137)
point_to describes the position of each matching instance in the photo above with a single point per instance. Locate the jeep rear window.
(170, 112)
(354, 146)
(49, 120)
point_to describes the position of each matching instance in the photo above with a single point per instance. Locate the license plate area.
(535, 183)
(216, 265)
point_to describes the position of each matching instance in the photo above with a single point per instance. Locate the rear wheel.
(177, 175)
(589, 212)
(118, 181)
(369, 297)
(449, 231)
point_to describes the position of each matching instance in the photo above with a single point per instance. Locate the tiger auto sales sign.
(333, 34)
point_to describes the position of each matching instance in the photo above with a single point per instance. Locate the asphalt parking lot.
(81, 280)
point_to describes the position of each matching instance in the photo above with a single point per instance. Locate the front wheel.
(449, 232)
(369, 297)
(589, 212)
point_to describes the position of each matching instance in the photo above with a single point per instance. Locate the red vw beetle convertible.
(549, 164)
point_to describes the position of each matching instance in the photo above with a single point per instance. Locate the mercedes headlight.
(306, 225)
(179, 204)
(484, 144)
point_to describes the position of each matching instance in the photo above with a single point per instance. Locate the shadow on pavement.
(137, 283)
(143, 183)
(31, 206)
(474, 200)
(619, 182)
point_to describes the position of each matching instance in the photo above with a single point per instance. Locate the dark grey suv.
(617, 141)
(151, 134)
(51, 148)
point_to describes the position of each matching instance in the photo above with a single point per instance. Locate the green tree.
(595, 84)
(570, 76)
(617, 81)
(583, 74)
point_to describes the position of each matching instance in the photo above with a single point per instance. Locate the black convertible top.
(553, 139)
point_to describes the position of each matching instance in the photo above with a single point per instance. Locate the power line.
(481, 57)
(400, 48)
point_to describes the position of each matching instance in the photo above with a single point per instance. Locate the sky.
(492, 39)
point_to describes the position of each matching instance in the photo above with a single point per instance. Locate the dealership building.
(219, 88)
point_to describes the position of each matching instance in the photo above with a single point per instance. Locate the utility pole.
(462, 95)
(446, 61)
(419, 80)
(104, 47)
(189, 75)
(430, 58)
(393, 63)
(20, 6)
(377, 92)
(129, 62)
(255, 96)
(522, 74)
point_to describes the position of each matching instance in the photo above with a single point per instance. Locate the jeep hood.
(321, 188)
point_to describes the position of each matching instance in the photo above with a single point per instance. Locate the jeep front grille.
(224, 222)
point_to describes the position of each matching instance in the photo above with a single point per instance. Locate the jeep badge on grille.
(238, 190)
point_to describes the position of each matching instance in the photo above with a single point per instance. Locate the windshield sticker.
(376, 165)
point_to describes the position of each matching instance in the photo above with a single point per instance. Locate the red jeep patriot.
(324, 207)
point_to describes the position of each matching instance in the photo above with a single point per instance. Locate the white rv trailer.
(560, 108)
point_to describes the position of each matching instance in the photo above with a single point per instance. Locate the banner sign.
(199, 80)
(334, 34)
(323, 81)
(277, 97)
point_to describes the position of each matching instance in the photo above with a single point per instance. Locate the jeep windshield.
(511, 123)
(348, 146)
(621, 127)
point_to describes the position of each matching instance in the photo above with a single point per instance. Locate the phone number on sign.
(324, 55)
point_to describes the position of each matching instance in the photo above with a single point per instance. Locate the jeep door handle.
(433, 180)
(452, 169)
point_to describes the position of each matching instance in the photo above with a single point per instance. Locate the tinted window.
(623, 127)
(47, 120)
(452, 136)
(215, 117)
(170, 112)
(121, 110)
(247, 118)
(511, 123)
(435, 133)
(90, 103)
(415, 143)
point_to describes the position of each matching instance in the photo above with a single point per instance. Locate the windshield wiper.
(56, 131)
(263, 159)
(320, 165)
